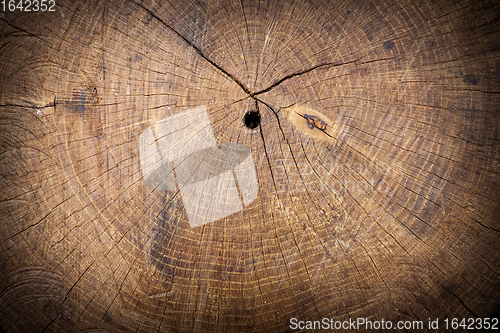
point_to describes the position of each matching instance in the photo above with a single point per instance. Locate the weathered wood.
(389, 212)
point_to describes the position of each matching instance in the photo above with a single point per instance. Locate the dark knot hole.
(252, 119)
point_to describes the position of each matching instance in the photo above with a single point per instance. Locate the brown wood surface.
(391, 212)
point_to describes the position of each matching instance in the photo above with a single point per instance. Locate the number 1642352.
(28, 5)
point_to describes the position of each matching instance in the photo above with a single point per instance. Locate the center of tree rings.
(252, 119)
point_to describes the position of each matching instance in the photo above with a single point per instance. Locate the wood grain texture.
(394, 216)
